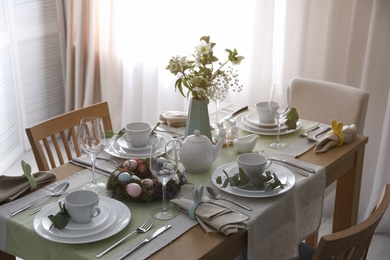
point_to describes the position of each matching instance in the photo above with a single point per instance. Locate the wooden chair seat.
(50, 138)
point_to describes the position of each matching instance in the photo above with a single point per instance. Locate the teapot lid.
(197, 137)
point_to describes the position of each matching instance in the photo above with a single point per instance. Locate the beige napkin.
(174, 118)
(349, 133)
(212, 217)
(11, 187)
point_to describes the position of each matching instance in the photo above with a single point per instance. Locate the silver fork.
(145, 227)
(310, 130)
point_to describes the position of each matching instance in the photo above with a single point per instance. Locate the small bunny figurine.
(233, 132)
(220, 133)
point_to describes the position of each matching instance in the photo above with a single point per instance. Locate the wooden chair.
(323, 101)
(61, 132)
(352, 243)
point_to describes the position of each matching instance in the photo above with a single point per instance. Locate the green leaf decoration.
(154, 128)
(26, 168)
(268, 181)
(109, 134)
(61, 219)
(292, 118)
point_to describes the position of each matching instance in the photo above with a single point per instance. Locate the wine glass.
(218, 92)
(163, 169)
(279, 104)
(92, 141)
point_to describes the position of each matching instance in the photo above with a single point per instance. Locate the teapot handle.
(174, 147)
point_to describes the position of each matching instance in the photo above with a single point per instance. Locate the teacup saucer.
(254, 119)
(94, 228)
(127, 145)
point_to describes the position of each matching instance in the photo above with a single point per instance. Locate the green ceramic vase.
(198, 118)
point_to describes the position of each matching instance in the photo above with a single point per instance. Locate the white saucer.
(253, 117)
(114, 149)
(245, 125)
(126, 145)
(284, 175)
(119, 214)
(111, 217)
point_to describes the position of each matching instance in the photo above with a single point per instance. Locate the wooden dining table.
(343, 164)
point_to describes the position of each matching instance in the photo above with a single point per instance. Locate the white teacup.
(264, 112)
(253, 165)
(82, 205)
(138, 133)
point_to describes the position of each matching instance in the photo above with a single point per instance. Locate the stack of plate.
(284, 175)
(250, 122)
(114, 216)
(121, 148)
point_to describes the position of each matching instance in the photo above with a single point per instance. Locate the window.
(31, 70)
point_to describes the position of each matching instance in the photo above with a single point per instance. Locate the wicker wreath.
(133, 181)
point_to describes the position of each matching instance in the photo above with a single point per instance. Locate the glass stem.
(93, 160)
(164, 204)
(278, 131)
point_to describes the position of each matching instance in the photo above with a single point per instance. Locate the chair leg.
(312, 240)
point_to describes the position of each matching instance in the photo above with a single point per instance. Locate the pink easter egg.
(134, 190)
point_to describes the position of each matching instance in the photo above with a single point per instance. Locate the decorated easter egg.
(134, 190)
(135, 177)
(161, 161)
(147, 182)
(124, 177)
(131, 164)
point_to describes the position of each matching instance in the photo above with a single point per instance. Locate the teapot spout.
(218, 148)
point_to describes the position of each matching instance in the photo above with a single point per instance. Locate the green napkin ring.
(27, 172)
(197, 194)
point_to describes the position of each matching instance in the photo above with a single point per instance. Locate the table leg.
(348, 194)
(6, 256)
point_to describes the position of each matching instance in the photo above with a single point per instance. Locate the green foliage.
(267, 181)
(199, 76)
(61, 219)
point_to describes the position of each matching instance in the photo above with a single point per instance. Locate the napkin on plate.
(339, 136)
(212, 217)
(11, 187)
(174, 118)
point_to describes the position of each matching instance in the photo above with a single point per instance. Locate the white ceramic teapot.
(197, 152)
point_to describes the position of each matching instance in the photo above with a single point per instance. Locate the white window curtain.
(342, 41)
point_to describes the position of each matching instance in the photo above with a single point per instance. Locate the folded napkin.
(11, 187)
(174, 118)
(212, 217)
(339, 136)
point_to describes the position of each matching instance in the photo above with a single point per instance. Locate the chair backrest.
(354, 242)
(60, 133)
(323, 101)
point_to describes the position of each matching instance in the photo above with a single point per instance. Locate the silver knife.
(88, 165)
(226, 118)
(145, 241)
(308, 169)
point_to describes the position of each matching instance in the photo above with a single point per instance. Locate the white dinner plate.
(114, 149)
(109, 217)
(243, 124)
(285, 176)
(130, 148)
(122, 218)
